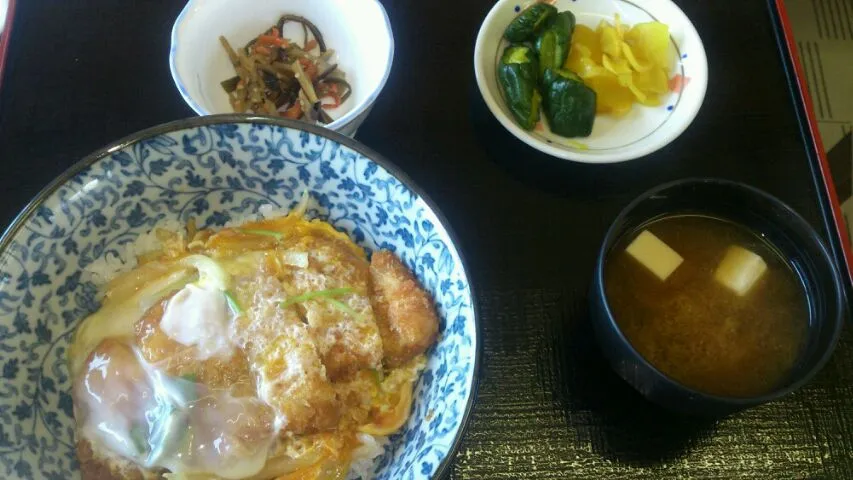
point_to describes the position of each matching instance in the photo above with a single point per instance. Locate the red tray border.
(837, 217)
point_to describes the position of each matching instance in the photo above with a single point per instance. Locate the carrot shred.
(268, 40)
(309, 67)
(293, 112)
(333, 93)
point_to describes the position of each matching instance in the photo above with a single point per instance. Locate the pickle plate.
(641, 131)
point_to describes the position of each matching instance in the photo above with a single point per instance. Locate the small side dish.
(571, 72)
(277, 76)
(271, 350)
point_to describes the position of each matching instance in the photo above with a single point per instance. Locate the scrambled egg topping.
(264, 351)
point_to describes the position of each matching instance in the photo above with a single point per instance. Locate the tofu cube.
(655, 255)
(740, 269)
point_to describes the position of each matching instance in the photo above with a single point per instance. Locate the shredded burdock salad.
(278, 76)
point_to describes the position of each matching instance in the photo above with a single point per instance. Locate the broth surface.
(695, 329)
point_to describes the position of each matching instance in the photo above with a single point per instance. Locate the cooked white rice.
(114, 262)
(105, 268)
(364, 456)
(268, 211)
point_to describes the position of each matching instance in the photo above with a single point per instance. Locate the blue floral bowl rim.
(220, 119)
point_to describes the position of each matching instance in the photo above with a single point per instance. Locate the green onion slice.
(233, 304)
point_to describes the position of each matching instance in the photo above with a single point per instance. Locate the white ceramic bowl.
(4, 7)
(358, 30)
(642, 131)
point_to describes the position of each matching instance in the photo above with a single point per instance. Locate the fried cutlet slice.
(116, 397)
(229, 372)
(282, 352)
(113, 393)
(404, 312)
(95, 466)
(342, 326)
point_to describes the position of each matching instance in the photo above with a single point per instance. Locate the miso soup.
(709, 303)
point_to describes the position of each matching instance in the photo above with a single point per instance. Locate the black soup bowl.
(794, 238)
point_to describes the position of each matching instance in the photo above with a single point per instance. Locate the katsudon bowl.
(218, 170)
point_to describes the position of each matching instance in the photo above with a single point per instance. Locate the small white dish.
(643, 130)
(4, 7)
(357, 30)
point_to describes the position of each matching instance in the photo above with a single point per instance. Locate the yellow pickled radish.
(610, 41)
(654, 80)
(585, 67)
(652, 100)
(620, 28)
(650, 41)
(582, 50)
(611, 98)
(632, 60)
(641, 97)
(623, 64)
(575, 61)
(590, 41)
(616, 66)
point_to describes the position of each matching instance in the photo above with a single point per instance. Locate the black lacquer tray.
(81, 74)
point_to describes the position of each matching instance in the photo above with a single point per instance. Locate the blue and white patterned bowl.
(214, 169)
